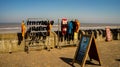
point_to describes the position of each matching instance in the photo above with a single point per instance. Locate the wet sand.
(109, 53)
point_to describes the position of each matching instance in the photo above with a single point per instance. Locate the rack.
(36, 32)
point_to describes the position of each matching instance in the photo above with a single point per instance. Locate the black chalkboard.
(82, 48)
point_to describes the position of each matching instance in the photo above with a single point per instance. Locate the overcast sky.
(87, 11)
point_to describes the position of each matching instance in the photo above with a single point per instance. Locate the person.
(23, 29)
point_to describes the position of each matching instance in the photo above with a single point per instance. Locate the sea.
(16, 27)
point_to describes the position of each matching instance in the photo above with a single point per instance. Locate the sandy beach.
(109, 53)
(32, 33)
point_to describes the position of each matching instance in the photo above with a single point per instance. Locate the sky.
(87, 11)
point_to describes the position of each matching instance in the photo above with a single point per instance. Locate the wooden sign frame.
(86, 47)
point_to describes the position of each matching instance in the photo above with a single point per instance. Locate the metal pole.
(58, 34)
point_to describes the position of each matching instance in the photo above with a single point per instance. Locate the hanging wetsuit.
(23, 29)
(64, 26)
(70, 30)
(49, 28)
(70, 27)
(77, 25)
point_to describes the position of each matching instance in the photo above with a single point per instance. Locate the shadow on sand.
(69, 61)
(91, 63)
(117, 59)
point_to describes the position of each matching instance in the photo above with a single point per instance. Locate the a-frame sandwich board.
(86, 47)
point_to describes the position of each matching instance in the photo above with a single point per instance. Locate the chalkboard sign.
(86, 47)
(82, 48)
